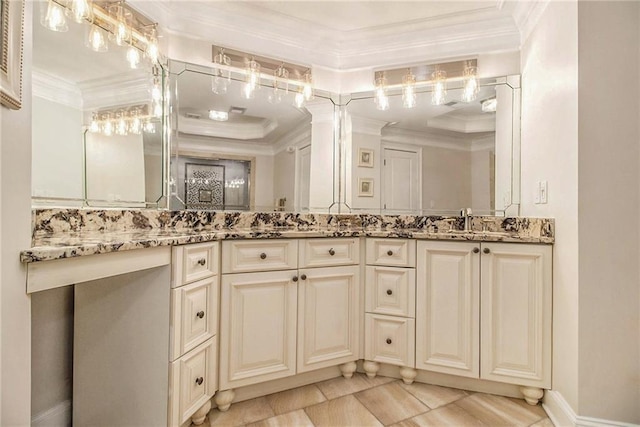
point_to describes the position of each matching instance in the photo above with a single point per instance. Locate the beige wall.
(446, 179)
(550, 152)
(609, 184)
(15, 230)
(284, 177)
(482, 181)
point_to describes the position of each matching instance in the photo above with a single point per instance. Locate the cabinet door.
(328, 321)
(516, 314)
(257, 328)
(390, 339)
(447, 309)
(390, 290)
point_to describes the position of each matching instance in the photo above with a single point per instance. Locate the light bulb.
(80, 10)
(299, 100)
(439, 93)
(121, 32)
(381, 100)
(135, 125)
(121, 125)
(95, 126)
(247, 91)
(152, 52)
(253, 74)
(107, 129)
(149, 127)
(221, 76)
(307, 89)
(471, 86)
(52, 17)
(156, 91)
(409, 90)
(133, 57)
(96, 39)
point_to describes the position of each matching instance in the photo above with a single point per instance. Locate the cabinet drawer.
(329, 252)
(193, 380)
(392, 252)
(391, 291)
(246, 256)
(194, 262)
(194, 315)
(390, 340)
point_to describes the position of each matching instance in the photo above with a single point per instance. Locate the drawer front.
(391, 252)
(391, 291)
(194, 262)
(193, 382)
(194, 315)
(390, 340)
(254, 255)
(329, 252)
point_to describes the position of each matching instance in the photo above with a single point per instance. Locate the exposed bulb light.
(152, 52)
(409, 90)
(252, 82)
(156, 91)
(133, 57)
(470, 86)
(307, 87)
(221, 76)
(96, 39)
(79, 10)
(107, 128)
(135, 124)
(280, 85)
(298, 100)
(52, 16)
(121, 125)
(439, 92)
(95, 126)
(149, 127)
(220, 116)
(381, 99)
(157, 109)
(121, 30)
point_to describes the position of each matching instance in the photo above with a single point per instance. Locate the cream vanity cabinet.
(193, 332)
(287, 306)
(390, 293)
(483, 310)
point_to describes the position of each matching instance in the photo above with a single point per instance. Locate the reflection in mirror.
(74, 86)
(430, 159)
(233, 153)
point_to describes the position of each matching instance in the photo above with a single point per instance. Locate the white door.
(401, 176)
(257, 327)
(516, 314)
(447, 309)
(328, 320)
(302, 180)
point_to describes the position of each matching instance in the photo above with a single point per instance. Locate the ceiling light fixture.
(381, 99)
(470, 85)
(409, 90)
(439, 93)
(220, 116)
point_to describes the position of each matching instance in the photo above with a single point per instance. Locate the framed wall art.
(11, 32)
(365, 158)
(365, 187)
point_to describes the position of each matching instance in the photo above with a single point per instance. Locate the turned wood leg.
(198, 417)
(532, 395)
(223, 399)
(408, 374)
(348, 369)
(371, 368)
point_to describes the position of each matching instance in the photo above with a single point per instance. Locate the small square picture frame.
(365, 187)
(365, 158)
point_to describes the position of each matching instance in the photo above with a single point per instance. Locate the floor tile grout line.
(365, 406)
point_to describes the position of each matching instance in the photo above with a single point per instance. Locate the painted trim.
(54, 89)
(59, 415)
(562, 414)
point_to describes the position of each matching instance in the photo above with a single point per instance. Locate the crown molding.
(464, 124)
(120, 89)
(220, 145)
(422, 139)
(251, 28)
(295, 137)
(526, 15)
(483, 144)
(366, 126)
(227, 130)
(53, 88)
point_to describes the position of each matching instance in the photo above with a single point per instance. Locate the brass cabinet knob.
(389, 252)
(389, 292)
(303, 277)
(332, 252)
(295, 278)
(389, 341)
(263, 255)
(202, 261)
(476, 250)
(200, 314)
(199, 380)
(486, 250)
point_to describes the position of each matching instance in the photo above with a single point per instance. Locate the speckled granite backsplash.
(55, 221)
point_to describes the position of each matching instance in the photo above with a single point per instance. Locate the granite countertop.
(74, 244)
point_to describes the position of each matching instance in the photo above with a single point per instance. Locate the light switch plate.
(543, 192)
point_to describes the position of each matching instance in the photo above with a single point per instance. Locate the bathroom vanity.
(175, 311)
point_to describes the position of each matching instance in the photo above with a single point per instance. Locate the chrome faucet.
(466, 214)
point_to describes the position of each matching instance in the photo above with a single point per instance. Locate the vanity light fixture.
(133, 57)
(122, 23)
(409, 90)
(122, 121)
(220, 116)
(95, 126)
(221, 75)
(381, 98)
(152, 51)
(439, 92)
(79, 10)
(298, 100)
(307, 86)
(107, 127)
(280, 85)
(121, 124)
(96, 39)
(52, 16)
(470, 85)
(252, 80)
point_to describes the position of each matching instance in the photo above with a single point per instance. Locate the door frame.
(400, 147)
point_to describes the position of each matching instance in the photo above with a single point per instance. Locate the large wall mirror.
(434, 159)
(231, 150)
(121, 160)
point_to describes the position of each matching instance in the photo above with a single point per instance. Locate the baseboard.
(58, 416)
(562, 414)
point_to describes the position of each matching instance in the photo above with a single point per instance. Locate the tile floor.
(361, 401)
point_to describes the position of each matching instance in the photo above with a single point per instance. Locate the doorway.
(402, 180)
